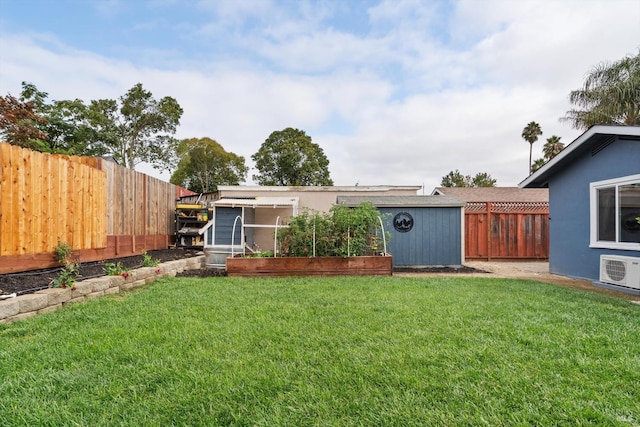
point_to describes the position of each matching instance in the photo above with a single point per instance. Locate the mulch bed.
(461, 269)
(31, 281)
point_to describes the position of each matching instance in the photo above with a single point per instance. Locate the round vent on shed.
(616, 270)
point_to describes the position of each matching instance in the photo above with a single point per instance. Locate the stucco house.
(594, 200)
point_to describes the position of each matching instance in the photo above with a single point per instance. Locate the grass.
(327, 351)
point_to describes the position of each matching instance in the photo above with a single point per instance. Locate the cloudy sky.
(396, 92)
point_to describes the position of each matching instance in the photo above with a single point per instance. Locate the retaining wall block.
(138, 283)
(95, 295)
(21, 316)
(56, 295)
(9, 307)
(150, 279)
(126, 286)
(145, 272)
(131, 276)
(49, 309)
(81, 288)
(111, 291)
(177, 265)
(76, 299)
(32, 302)
(100, 283)
(116, 280)
(196, 263)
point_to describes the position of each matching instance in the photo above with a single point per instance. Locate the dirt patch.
(536, 270)
(464, 269)
(31, 281)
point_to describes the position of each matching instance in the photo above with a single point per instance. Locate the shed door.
(424, 236)
(225, 218)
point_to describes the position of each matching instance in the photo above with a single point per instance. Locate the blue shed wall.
(569, 226)
(225, 218)
(435, 239)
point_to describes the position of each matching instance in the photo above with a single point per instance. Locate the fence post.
(488, 231)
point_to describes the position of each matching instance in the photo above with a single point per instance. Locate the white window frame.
(593, 218)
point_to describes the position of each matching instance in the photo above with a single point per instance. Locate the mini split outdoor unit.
(620, 270)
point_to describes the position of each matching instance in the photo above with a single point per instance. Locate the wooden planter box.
(310, 266)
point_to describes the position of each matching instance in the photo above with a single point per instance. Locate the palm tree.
(537, 164)
(552, 147)
(530, 134)
(610, 95)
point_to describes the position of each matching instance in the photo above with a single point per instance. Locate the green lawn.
(386, 351)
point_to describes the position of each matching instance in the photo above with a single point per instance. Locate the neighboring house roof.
(402, 201)
(495, 194)
(594, 139)
(363, 188)
(273, 202)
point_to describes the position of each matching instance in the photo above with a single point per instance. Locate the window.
(615, 205)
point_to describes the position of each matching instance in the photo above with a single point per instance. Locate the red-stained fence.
(506, 231)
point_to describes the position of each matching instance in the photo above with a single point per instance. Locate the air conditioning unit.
(620, 270)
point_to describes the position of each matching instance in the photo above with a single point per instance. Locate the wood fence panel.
(19, 232)
(101, 209)
(515, 231)
(6, 199)
(45, 199)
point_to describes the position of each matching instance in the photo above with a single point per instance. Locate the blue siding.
(224, 225)
(569, 227)
(435, 239)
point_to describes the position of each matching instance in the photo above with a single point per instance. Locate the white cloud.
(422, 90)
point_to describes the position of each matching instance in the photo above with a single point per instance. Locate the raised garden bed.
(310, 266)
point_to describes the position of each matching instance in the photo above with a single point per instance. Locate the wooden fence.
(101, 209)
(514, 231)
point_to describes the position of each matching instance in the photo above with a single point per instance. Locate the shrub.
(67, 276)
(62, 252)
(148, 261)
(115, 269)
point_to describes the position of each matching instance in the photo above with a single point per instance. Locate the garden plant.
(343, 231)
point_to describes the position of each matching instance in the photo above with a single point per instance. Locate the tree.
(610, 95)
(140, 129)
(483, 179)
(530, 134)
(204, 165)
(19, 123)
(288, 157)
(552, 147)
(456, 179)
(66, 123)
(137, 129)
(537, 164)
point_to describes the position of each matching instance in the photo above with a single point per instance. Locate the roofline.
(402, 201)
(593, 130)
(317, 188)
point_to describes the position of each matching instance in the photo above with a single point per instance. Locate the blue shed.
(594, 200)
(425, 230)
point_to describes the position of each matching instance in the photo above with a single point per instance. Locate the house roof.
(494, 194)
(402, 201)
(274, 188)
(594, 139)
(259, 202)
